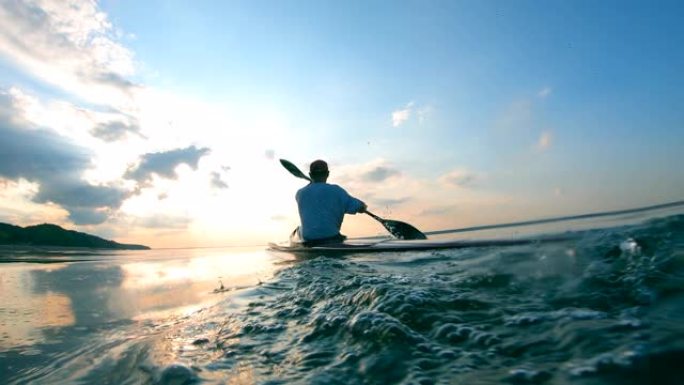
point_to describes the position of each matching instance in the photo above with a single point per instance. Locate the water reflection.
(153, 286)
(87, 285)
(23, 316)
(47, 309)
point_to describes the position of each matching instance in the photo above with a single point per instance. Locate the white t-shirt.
(321, 209)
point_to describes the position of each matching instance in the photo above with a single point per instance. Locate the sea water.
(604, 306)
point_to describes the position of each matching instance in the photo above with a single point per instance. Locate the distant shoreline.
(52, 236)
(55, 248)
(59, 250)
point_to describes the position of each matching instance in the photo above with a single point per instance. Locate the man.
(322, 207)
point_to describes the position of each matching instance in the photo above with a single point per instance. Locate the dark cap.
(318, 167)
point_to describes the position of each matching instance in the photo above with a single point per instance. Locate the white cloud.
(544, 92)
(81, 147)
(399, 117)
(545, 140)
(17, 206)
(78, 123)
(68, 43)
(403, 115)
(56, 164)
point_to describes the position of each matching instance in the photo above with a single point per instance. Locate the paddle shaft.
(374, 216)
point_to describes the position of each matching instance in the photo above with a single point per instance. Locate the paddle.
(398, 229)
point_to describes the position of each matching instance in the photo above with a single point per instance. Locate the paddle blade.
(293, 169)
(402, 230)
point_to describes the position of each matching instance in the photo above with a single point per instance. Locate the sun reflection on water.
(37, 297)
(23, 314)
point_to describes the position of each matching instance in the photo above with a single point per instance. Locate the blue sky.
(441, 113)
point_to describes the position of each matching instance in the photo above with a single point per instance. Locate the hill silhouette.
(53, 235)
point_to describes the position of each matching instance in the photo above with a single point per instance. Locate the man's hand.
(363, 208)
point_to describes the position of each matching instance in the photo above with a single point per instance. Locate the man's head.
(318, 171)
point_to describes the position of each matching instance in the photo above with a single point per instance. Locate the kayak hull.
(402, 245)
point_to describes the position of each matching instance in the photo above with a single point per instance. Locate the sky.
(162, 122)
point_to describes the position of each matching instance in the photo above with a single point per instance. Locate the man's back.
(321, 209)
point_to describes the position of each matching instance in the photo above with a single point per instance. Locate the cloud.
(74, 192)
(88, 216)
(385, 202)
(366, 175)
(270, 154)
(217, 182)
(115, 130)
(459, 178)
(446, 210)
(17, 207)
(164, 163)
(56, 164)
(544, 92)
(545, 140)
(163, 222)
(401, 116)
(379, 173)
(76, 122)
(69, 43)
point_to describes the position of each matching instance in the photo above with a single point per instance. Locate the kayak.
(396, 245)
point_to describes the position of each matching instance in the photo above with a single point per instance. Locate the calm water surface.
(63, 313)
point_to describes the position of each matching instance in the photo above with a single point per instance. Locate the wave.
(603, 306)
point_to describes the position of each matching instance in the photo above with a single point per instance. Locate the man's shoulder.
(336, 187)
(330, 187)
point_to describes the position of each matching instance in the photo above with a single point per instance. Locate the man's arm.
(352, 205)
(355, 206)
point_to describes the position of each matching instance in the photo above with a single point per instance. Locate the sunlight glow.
(467, 138)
